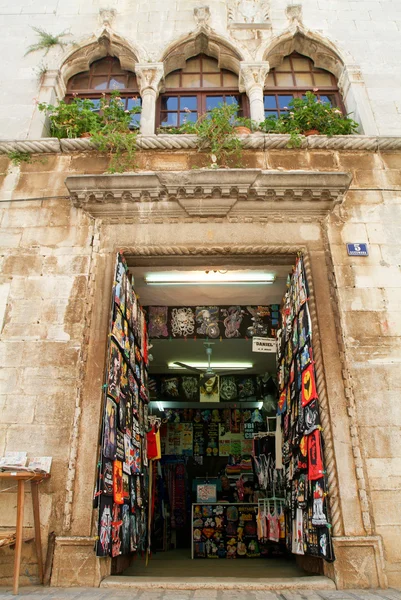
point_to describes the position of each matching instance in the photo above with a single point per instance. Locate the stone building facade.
(62, 221)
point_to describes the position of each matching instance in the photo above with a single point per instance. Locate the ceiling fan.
(209, 372)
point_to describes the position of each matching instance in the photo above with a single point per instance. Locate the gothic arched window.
(196, 89)
(293, 78)
(106, 76)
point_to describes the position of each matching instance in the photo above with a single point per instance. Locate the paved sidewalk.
(40, 593)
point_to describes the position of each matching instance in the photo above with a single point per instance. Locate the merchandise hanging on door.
(308, 518)
(121, 495)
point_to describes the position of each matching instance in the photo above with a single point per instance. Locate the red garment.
(308, 385)
(152, 443)
(315, 457)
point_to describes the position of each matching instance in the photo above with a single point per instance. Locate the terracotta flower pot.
(311, 132)
(242, 130)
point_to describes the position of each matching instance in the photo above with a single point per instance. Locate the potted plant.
(72, 120)
(215, 130)
(114, 135)
(309, 116)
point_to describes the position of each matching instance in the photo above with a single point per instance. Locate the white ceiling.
(220, 295)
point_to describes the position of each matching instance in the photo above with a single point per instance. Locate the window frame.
(201, 94)
(299, 91)
(91, 93)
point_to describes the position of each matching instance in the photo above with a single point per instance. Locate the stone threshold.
(222, 583)
(256, 141)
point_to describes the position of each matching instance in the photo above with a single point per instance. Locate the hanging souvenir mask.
(315, 458)
(308, 385)
(158, 321)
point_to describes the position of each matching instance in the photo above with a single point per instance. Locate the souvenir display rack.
(224, 530)
(122, 488)
(307, 516)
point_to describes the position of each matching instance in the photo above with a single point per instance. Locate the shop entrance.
(214, 480)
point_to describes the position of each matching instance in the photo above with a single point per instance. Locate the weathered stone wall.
(56, 260)
(366, 35)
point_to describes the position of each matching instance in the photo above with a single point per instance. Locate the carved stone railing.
(256, 141)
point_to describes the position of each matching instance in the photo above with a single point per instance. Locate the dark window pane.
(169, 120)
(169, 103)
(188, 117)
(80, 83)
(213, 101)
(100, 66)
(270, 101)
(283, 101)
(132, 83)
(190, 102)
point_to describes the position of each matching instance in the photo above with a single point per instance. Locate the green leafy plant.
(46, 41)
(17, 157)
(216, 131)
(306, 114)
(114, 136)
(73, 119)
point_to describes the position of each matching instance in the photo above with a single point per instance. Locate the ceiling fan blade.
(189, 368)
(227, 373)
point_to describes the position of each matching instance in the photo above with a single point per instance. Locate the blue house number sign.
(357, 250)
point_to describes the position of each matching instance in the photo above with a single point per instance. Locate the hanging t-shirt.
(154, 447)
(274, 527)
(308, 385)
(279, 443)
(315, 457)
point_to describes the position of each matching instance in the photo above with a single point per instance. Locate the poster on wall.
(212, 439)
(199, 439)
(224, 441)
(210, 391)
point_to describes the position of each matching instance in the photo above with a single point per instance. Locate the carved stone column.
(149, 77)
(252, 77)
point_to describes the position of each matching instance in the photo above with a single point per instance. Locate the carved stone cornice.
(235, 194)
(149, 76)
(252, 74)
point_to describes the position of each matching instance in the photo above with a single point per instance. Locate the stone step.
(222, 583)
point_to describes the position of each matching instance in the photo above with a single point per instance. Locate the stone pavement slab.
(41, 593)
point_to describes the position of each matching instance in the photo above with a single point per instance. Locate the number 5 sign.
(357, 250)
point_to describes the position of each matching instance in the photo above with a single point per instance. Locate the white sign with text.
(260, 344)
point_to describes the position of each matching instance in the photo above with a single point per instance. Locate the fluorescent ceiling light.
(209, 278)
(216, 365)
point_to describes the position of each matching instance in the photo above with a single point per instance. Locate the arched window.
(197, 88)
(106, 76)
(295, 76)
